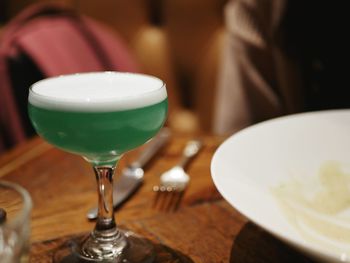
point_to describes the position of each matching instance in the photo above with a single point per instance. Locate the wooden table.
(204, 229)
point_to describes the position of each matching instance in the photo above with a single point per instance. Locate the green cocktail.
(99, 136)
(100, 116)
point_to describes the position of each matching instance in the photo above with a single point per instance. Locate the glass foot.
(137, 250)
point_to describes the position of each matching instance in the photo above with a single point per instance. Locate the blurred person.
(281, 57)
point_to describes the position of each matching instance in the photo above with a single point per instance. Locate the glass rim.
(98, 73)
(99, 104)
(27, 203)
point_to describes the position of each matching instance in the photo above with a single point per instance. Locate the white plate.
(252, 162)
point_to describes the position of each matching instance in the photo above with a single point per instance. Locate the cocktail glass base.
(137, 250)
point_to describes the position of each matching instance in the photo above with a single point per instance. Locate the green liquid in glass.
(101, 137)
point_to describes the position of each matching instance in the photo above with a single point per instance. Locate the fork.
(174, 182)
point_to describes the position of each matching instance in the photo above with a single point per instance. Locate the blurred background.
(179, 41)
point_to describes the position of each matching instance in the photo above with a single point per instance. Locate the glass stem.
(104, 177)
(105, 241)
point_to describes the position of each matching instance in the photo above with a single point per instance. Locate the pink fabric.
(56, 48)
(59, 42)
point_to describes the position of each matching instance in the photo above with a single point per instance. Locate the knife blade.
(132, 176)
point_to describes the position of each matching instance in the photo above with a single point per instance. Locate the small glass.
(15, 209)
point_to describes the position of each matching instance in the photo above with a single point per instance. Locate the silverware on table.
(132, 176)
(174, 181)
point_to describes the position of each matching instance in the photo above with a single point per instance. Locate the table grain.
(205, 228)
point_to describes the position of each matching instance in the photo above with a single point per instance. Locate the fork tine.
(167, 198)
(172, 199)
(161, 196)
(156, 189)
(175, 199)
(179, 199)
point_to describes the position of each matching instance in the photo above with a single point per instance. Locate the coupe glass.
(100, 116)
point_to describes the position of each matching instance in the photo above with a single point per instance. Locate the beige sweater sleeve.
(249, 83)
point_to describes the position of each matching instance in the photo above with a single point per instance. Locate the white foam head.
(97, 91)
